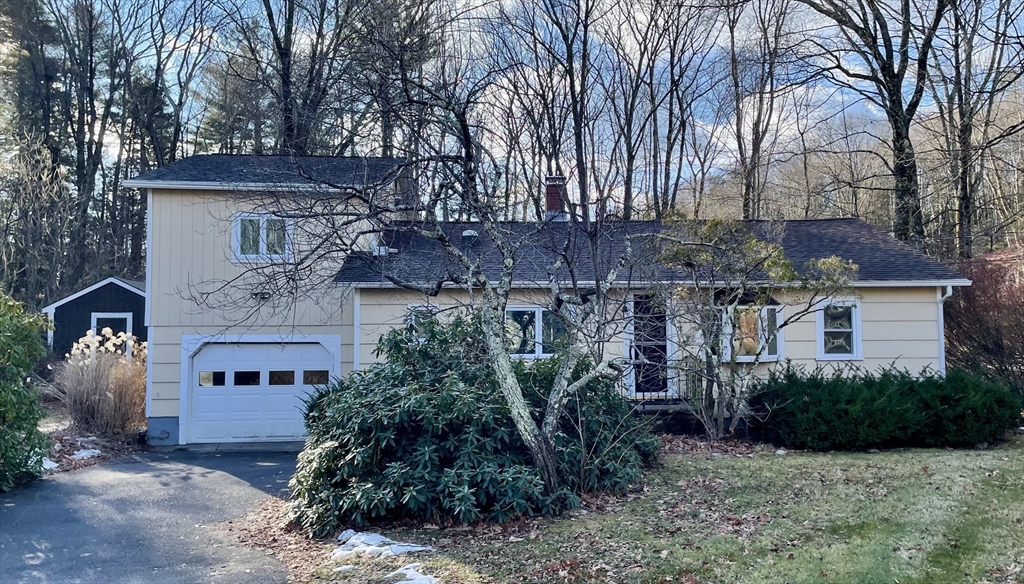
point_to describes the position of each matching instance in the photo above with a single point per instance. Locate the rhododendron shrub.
(22, 445)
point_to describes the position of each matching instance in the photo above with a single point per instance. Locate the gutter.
(643, 284)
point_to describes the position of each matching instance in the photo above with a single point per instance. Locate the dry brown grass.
(102, 388)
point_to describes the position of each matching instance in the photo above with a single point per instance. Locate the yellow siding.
(191, 256)
(898, 325)
(383, 309)
(191, 252)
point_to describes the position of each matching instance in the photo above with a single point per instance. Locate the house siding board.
(192, 251)
(384, 309)
(191, 247)
(74, 318)
(899, 326)
(909, 342)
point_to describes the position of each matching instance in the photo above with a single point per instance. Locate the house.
(239, 372)
(115, 303)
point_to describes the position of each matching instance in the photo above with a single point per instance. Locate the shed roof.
(136, 286)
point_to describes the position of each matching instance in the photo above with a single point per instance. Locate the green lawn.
(923, 516)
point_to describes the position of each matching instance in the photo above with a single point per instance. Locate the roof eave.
(227, 186)
(911, 283)
(857, 284)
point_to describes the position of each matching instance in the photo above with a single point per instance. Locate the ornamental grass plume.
(103, 383)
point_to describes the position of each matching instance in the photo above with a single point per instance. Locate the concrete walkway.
(145, 519)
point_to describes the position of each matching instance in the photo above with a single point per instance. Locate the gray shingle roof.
(137, 284)
(879, 257)
(225, 170)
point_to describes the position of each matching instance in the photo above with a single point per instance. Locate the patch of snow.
(375, 544)
(346, 535)
(412, 575)
(87, 439)
(49, 464)
(345, 568)
(780, 453)
(85, 453)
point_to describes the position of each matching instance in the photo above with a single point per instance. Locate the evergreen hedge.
(852, 409)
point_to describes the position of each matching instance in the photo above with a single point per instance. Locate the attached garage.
(253, 391)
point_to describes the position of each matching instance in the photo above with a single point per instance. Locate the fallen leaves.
(266, 528)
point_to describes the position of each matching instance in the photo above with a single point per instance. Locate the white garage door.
(253, 391)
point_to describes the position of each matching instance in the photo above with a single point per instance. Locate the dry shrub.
(985, 322)
(103, 383)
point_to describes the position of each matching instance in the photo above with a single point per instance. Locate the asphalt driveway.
(146, 519)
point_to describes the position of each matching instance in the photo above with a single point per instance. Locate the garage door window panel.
(211, 378)
(315, 377)
(246, 378)
(282, 378)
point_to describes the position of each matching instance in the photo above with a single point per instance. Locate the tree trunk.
(965, 198)
(908, 223)
(541, 449)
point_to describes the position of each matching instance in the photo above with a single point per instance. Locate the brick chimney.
(554, 199)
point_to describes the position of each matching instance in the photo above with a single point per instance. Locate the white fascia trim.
(49, 309)
(910, 283)
(146, 318)
(356, 331)
(942, 296)
(819, 330)
(192, 344)
(222, 186)
(641, 285)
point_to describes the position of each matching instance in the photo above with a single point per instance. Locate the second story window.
(259, 237)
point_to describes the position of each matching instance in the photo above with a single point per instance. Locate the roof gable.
(130, 285)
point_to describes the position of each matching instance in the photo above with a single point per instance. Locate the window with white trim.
(261, 237)
(533, 332)
(838, 330)
(756, 333)
(418, 316)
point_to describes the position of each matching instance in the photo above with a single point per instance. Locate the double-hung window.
(418, 317)
(753, 332)
(533, 332)
(838, 331)
(260, 237)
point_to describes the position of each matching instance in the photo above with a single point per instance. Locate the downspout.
(942, 297)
